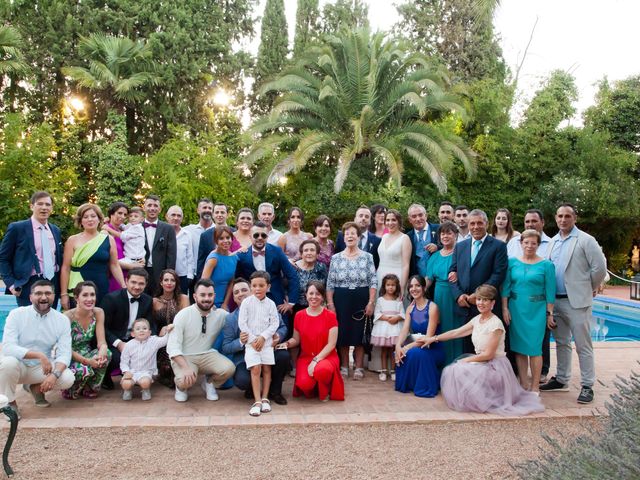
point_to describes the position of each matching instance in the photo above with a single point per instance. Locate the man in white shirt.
(461, 219)
(30, 335)
(185, 263)
(205, 215)
(266, 214)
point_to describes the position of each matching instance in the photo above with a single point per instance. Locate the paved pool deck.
(367, 401)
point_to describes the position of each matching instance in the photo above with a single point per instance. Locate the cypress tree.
(306, 25)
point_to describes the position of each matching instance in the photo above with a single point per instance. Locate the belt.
(532, 298)
(562, 295)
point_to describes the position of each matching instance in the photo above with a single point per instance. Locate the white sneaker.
(146, 394)
(127, 395)
(209, 389)
(382, 376)
(181, 395)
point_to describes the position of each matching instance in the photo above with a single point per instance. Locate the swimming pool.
(615, 320)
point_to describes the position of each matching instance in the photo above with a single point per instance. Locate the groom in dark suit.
(477, 260)
(369, 242)
(267, 257)
(31, 250)
(121, 309)
(160, 245)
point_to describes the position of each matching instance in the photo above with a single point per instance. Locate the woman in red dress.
(315, 330)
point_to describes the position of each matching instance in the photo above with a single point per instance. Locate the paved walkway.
(369, 401)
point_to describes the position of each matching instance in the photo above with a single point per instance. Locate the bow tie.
(134, 299)
(148, 224)
(257, 253)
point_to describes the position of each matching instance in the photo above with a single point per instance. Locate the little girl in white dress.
(388, 319)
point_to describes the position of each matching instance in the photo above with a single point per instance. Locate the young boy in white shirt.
(259, 319)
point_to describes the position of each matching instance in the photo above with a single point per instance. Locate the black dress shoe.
(278, 398)
(107, 383)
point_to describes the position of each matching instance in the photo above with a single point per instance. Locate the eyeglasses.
(260, 235)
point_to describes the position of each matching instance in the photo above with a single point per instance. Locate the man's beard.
(43, 307)
(205, 216)
(203, 308)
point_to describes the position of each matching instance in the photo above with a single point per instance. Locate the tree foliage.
(307, 25)
(359, 96)
(344, 14)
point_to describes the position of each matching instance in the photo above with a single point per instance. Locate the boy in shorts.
(259, 319)
(138, 360)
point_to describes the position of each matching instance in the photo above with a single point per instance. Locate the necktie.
(204, 324)
(134, 299)
(47, 257)
(148, 224)
(363, 242)
(475, 250)
(257, 253)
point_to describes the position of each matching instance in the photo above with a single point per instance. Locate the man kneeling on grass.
(190, 345)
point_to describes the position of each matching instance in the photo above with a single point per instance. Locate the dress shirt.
(259, 261)
(140, 356)
(479, 247)
(514, 247)
(187, 338)
(27, 330)
(195, 230)
(37, 243)
(133, 238)
(133, 312)
(463, 237)
(150, 233)
(258, 318)
(185, 264)
(560, 258)
(273, 236)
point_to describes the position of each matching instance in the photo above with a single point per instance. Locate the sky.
(590, 39)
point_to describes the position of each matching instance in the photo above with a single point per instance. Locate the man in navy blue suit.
(31, 250)
(271, 259)
(477, 260)
(423, 238)
(368, 241)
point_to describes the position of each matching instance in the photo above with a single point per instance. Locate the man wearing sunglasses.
(270, 258)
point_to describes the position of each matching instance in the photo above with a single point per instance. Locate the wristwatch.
(56, 373)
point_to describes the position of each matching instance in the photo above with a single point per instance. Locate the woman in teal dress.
(89, 365)
(528, 295)
(220, 267)
(438, 272)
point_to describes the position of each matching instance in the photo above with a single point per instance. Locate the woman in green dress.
(438, 272)
(88, 364)
(528, 295)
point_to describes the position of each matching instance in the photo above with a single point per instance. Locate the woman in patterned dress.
(351, 294)
(89, 365)
(322, 227)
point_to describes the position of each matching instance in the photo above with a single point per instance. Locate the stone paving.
(368, 401)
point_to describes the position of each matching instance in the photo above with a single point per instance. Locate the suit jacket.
(490, 266)
(116, 314)
(414, 268)
(204, 249)
(373, 242)
(585, 270)
(231, 345)
(18, 253)
(163, 252)
(278, 266)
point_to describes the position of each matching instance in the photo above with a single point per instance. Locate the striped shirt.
(140, 356)
(258, 318)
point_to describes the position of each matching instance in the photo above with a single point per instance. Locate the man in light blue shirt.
(30, 335)
(533, 220)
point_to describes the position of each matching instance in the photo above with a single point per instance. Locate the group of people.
(445, 306)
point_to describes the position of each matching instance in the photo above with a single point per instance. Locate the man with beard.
(461, 219)
(190, 345)
(207, 241)
(30, 336)
(195, 230)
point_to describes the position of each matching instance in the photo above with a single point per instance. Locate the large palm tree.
(118, 66)
(11, 58)
(359, 96)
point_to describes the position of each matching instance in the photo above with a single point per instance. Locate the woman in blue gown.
(418, 369)
(438, 272)
(220, 267)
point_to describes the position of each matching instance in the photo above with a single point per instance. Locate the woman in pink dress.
(290, 241)
(315, 330)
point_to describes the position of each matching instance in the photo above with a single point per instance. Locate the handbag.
(368, 327)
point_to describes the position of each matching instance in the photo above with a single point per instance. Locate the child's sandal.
(266, 406)
(382, 376)
(255, 409)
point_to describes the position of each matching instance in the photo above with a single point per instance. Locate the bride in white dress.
(394, 251)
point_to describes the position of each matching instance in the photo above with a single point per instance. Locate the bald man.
(185, 263)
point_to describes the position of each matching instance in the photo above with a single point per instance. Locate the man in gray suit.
(580, 269)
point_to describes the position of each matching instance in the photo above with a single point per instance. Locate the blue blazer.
(490, 267)
(414, 268)
(18, 253)
(373, 242)
(231, 345)
(278, 266)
